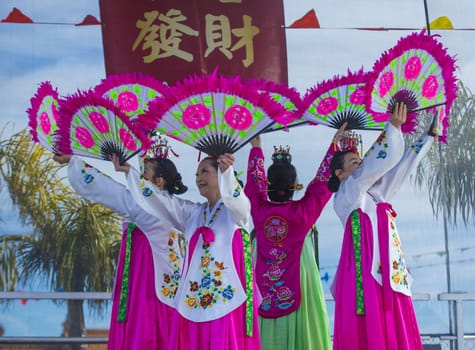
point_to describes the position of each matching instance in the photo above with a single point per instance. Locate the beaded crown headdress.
(159, 149)
(281, 154)
(350, 140)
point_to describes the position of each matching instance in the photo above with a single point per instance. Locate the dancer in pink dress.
(293, 313)
(149, 265)
(216, 301)
(373, 305)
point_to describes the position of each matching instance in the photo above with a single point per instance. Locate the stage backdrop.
(172, 39)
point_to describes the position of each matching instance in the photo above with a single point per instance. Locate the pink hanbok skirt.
(389, 321)
(147, 320)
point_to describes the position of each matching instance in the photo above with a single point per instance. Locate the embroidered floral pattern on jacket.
(88, 178)
(170, 282)
(275, 228)
(416, 146)
(323, 173)
(209, 290)
(237, 191)
(381, 142)
(257, 166)
(277, 293)
(146, 191)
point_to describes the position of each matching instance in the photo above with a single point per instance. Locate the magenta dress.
(292, 314)
(147, 323)
(373, 304)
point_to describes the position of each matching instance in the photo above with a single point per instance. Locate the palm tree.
(448, 170)
(74, 244)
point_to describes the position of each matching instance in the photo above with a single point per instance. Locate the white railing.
(458, 298)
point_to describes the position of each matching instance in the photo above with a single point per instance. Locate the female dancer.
(373, 305)
(149, 264)
(293, 312)
(215, 300)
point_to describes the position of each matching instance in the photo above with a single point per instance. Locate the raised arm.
(98, 187)
(232, 193)
(256, 175)
(391, 182)
(157, 202)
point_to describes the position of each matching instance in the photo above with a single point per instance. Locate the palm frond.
(448, 170)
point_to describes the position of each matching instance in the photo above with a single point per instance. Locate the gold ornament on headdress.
(349, 140)
(159, 148)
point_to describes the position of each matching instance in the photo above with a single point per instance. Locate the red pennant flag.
(309, 20)
(16, 16)
(89, 20)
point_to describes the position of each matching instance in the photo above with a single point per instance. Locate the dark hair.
(166, 169)
(212, 160)
(336, 163)
(281, 176)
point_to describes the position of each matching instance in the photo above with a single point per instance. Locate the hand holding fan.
(213, 114)
(417, 71)
(93, 126)
(288, 98)
(43, 116)
(339, 100)
(132, 92)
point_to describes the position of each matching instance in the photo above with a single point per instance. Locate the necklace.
(213, 216)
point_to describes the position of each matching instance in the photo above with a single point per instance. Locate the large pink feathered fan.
(417, 71)
(214, 114)
(341, 99)
(132, 92)
(94, 126)
(43, 116)
(288, 97)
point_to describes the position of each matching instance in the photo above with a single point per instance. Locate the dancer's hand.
(119, 167)
(399, 115)
(62, 158)
(340, 133)
(256, 141)
(225, 161)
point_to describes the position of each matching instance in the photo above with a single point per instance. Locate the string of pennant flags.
(307, 21)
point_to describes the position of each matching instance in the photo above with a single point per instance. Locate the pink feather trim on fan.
(86, 107)
(213, 83)
(45, 89)
(288, 95)
(127, 100)
(424, 43)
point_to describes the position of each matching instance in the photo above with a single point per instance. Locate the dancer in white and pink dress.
(150, 259)
(373, 305)
(216, 300)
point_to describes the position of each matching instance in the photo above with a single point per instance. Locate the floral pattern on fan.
(213, 114)
(44, 116)
(92, 126)
(131, 92)
(417, 71)
(339, 100)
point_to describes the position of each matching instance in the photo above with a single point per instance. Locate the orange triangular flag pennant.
(309, 20)
(89, 20)
(16, 16)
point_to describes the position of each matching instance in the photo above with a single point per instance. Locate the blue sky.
(72, 58)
